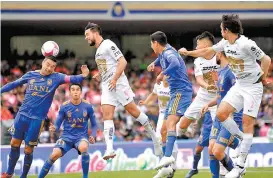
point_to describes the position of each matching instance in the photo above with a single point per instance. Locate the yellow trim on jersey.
(66, 102)
(85, 101)
(175, 103)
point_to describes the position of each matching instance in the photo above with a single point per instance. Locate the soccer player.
(74, 115)
(242, 54)
(220, 138)
(41, 86)
(162, 93)
(204, 68)
(174, 68)
(115, 88)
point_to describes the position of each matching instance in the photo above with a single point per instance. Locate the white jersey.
(163, 94)
(242, 56)
(206, 68)
(107, 56)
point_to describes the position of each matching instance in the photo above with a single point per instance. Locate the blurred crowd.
(127, 129)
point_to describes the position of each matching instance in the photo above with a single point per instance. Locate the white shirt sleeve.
(254, 50)
(114, 51)
(155, 89)
(219, 46)
(197, 67)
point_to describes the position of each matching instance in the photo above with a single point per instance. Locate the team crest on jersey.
(42, 79)
(84, 113)
(32, 81)
(69, 114)
(49, 82)
(77, 110)
(11, 130)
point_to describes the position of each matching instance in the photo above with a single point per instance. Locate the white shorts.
(160, 123)
(193, 111)
(123, 95)
(247, 97)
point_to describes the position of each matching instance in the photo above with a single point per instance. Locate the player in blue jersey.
(41, 86)
(174, 68)
(74, 115)
(220, 137)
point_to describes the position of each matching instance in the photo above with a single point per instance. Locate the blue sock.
(164, 147)
(27, 163)
(171, 137)
(227, 163)
(13, 158)
(196, 159)
(48, 164)
(85, 164)
(214, 166)
(234, 143)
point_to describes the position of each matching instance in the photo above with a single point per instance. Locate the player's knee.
(218, 154)
(83, 148)
(29, 149)
(221, 115)
(198, 149)
(108, 115)
(15, 143)
(210, 149)
(57, 153)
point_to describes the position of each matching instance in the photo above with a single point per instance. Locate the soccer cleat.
(223, 170)
(236, 172)
(192, 173)
(165, 161)
(5, 175)
(109, 154)
(158, 147)
(172, 174)
(165, 171)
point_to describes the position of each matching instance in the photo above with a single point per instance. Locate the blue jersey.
(39, 92)
(226, 80)
(75, 120)
(174, 67)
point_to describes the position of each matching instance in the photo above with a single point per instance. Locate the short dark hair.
(53, 58)
(207, 35)
(93, 27)
(233, 23)
(77, 84)
(160, 37)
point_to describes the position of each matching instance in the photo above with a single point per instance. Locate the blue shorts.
(65, 145)
(205, 132)
(223, 136)
(178, 103)
(26, 129)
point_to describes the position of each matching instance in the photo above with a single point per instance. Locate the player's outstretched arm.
(151, 98)
(212, 102)
(12, 85)
(151, 67)
(74, 78)
(197, 53)
(265, 64)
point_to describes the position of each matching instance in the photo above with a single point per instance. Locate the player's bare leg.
(248, 128)
(83, 148)
(109, 130)
(224, 112)
(13, 157)
(144, 120)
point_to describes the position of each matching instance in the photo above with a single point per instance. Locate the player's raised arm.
(74, 78)
(60, 119)
(15, 84)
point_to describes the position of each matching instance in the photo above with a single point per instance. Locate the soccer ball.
(50, 48)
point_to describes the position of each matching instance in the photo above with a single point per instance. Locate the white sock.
(233, 128)
(244, 148)
(174, 154)
(109, 131)
(144, 120)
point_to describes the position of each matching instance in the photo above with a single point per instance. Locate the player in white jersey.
(115, 88)
(242, 54)
(162, 93)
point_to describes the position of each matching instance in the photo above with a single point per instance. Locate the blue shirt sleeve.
(92, 121)
(157, 62)
(174, 64)
(60, 118)
(63, 78)
(231, 78)
(16, 83)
